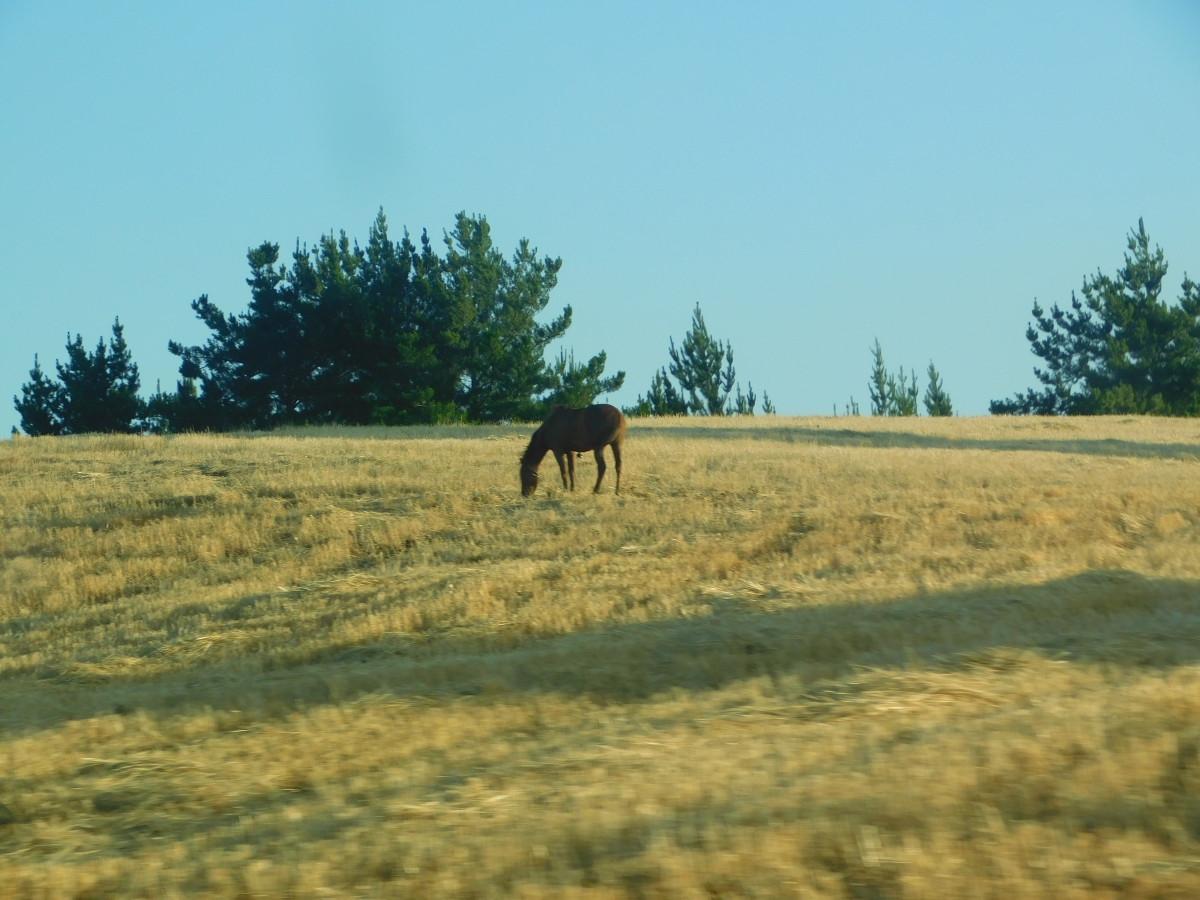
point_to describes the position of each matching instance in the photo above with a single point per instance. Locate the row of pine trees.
(397, 332)
(392, 333)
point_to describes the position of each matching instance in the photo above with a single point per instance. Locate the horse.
(569, 431)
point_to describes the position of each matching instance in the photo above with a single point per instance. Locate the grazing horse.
(569, 431)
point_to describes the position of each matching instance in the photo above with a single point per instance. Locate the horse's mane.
(537, 444)
(531, 456)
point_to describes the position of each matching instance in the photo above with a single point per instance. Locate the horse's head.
(529, 479)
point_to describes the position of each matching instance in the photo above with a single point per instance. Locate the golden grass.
(796, 657)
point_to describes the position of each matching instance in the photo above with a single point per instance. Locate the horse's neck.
(537, 449)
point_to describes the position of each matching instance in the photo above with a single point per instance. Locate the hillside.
(817, 657)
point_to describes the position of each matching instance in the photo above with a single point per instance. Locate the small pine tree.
(96, 392)
(937, 401)
(40, 403)
(878, 386)
(742, 405)
(891, 395)
(663, 399)
(185, 410)
(100, 389)
(697, 366)
(703, 366)
(768, 406)
(902, 394)
(578, 385)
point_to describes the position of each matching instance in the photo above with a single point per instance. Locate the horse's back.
(606, 420)
(584, 429)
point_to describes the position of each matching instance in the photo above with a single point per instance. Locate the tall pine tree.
(697, 366)
(937, 401)
(1119, 349)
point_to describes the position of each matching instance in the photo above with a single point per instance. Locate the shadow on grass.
(845, 437)
(1105, 617)
(783, 433)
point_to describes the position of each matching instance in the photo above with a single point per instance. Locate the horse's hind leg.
(571, 468)
(600, 467)
(562, 467)
(616, 448)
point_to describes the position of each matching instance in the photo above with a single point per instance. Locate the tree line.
(398, 333)
(391, 333)
(1121, 349)
(896, 394)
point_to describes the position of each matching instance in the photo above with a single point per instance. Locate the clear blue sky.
(813, 175)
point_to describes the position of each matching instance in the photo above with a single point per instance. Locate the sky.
(814, 176)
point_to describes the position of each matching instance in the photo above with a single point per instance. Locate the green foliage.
(697, 366)
(343, 335)
(937, 401)
(877, 388)
(391, 334)
(703, 366)
(891, 395)
(182, 411)
(1121, 349)
(578, 385)
(743, 405)
(768, 406)
(40, 403)
(663, 399)
(902, 394)
(95, 392)
(495, 344)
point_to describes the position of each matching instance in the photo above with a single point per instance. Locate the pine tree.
(257, 369)
(742, 405)
(937, 401)
(902, 394)
(40, 403)
(891, 395)
(183, 411)
(100, 389)
(578, 385)
(703, 366)
(697, 366)
(494, 339)
(663, 399)
(878, 386)
(95, 392)
(1119, 349)
(393, 333)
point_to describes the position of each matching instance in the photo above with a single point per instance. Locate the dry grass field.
(827, 658)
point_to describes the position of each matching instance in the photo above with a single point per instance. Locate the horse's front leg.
(562, 467)
(571, 468)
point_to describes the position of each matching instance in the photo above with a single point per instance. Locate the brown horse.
(569, 431)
